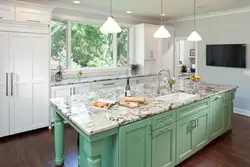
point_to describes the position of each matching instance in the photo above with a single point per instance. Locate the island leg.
(59, 139)
(90, 152)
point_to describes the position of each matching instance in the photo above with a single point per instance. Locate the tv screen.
(226, 55)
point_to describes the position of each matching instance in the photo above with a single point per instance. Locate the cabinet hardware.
(7, 84)
(34, 21)
(196, 122)
(217, 98)
(11, 82)
(193, 123)
(150, 130)
(107, 84)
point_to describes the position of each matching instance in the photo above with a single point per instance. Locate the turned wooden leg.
(59, 139)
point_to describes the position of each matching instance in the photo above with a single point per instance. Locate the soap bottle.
(127, 89)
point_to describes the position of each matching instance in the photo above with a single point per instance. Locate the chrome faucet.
(158, 79)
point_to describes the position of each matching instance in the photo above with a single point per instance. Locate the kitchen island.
(163, 133)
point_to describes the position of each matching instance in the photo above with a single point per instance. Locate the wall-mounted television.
(229, 55)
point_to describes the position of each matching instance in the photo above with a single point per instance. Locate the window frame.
(93, 69)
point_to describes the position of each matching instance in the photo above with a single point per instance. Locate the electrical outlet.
(247, 72)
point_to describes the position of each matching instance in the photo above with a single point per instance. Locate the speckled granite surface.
(78, 108)
(97, 79)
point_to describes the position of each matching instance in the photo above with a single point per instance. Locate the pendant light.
(162, 32)
(194, 36)
(110, 26)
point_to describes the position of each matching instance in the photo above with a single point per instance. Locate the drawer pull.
(217, 98)
(108, 84)
(33, 21)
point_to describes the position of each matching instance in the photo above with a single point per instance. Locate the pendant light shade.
(110, 26)
(162, 32)
(194, 36)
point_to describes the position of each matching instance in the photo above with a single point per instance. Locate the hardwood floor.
(36, 149)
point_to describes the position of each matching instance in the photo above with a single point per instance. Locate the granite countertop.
(78, 108)
(98, 79)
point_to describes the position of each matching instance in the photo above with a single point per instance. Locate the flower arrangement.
(80, 74)
(58, 76)
(134, 68)
(171, 82)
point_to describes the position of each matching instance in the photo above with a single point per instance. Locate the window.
(83, 45)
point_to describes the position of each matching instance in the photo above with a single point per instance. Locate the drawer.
(32, 16)
(163, 119)
(108, 84)
(6, 12)
(191, 109)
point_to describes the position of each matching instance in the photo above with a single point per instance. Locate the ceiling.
(151, 8)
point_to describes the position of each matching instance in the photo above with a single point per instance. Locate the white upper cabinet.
(32, 16)
(7, 12)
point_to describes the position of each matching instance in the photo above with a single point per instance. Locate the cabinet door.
(201, 131)
(216, 116)
(135, 144)
(228, 110)
(4, 84)
(163, 146)
(30, 73)
(184, 145)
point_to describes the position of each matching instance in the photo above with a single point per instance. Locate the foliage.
(89, 47)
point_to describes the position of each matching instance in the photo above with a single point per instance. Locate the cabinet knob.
(150, 130)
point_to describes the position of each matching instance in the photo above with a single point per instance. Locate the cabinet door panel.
(228, 110)
(184, 139)
(163, 146)
(135, 145)
(216, 116)
(201, 131)
(4, 98)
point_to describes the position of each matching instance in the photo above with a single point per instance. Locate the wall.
(227, 29)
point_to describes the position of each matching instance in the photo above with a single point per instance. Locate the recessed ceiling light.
(129, 12)
(76, 1)
(163, 14)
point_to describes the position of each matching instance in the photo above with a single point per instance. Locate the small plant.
(134, 68)
(170, 82)
(80, 75)
(184, 68)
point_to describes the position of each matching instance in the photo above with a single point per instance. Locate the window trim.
(92, 69)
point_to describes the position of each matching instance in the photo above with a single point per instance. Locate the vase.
(133, 72)
(58, 77)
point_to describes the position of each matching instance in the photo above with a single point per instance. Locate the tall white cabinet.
(24, 75)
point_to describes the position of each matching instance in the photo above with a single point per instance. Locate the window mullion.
(69, 54)
(115, 43)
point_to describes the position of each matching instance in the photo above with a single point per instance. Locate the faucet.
(158, 79)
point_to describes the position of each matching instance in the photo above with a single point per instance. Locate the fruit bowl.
(195, 78)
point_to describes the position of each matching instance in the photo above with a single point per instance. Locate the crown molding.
(212, 14)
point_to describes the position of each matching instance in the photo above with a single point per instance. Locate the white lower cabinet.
(108, 84)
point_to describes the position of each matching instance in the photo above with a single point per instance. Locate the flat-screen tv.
(230, 55)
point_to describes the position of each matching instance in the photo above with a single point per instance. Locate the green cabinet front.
(135, 144)
(228, 111)
(216, 116)
(192, 135)
(163, 146)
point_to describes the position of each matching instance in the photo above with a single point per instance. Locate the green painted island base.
(165, 140)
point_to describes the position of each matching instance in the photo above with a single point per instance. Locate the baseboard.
(242, 111)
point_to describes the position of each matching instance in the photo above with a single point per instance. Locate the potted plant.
(134, 68)
(183, 68)
(79, 75)
(59, 73)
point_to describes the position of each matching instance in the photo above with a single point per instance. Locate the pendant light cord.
(110, 7)
(161, 12)
(194, 15)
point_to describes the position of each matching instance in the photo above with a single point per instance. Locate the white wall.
(227, 29)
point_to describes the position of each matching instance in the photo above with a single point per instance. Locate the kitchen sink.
(178, 97)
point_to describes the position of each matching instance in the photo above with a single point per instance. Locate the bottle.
(127, 89)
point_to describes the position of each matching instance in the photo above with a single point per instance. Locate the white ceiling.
(151, 8)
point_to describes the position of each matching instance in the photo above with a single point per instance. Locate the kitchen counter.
(78, 110)
(98, 79)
